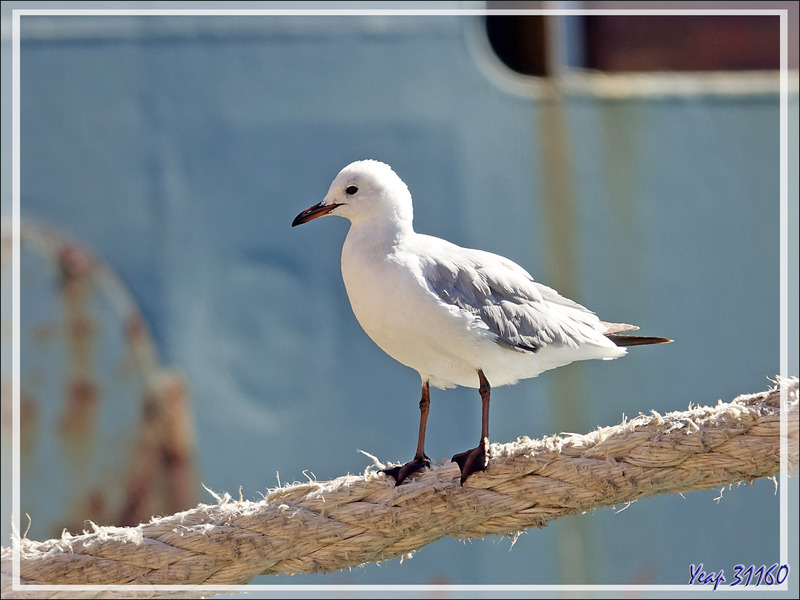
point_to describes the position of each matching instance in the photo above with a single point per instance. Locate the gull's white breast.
(396, 309)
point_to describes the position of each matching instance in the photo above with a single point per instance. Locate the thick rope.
(324, 526)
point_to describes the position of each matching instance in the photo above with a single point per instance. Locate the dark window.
(520, 42)
(539, 45)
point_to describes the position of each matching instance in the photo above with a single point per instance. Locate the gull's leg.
(420, 459)
(476, 459)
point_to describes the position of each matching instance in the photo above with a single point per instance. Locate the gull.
(458, 316)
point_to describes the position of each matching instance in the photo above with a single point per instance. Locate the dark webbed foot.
(401, 473)
(472, 460)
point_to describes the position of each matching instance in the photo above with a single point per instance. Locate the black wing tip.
(636, 340)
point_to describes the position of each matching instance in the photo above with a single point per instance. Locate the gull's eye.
(351, 190)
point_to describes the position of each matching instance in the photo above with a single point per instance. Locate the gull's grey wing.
(523, 314)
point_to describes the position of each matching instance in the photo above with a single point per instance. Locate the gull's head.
(364, 190)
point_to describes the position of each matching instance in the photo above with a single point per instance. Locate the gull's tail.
(613, 333)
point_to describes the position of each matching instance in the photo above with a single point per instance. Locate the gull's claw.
(401, 473)
(472, 460)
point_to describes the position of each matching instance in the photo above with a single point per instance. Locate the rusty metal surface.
(106, 433)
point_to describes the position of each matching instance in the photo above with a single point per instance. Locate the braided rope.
(352, 520)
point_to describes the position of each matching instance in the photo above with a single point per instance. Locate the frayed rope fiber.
(324, 526)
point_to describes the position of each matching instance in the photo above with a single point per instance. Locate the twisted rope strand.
(328, 525)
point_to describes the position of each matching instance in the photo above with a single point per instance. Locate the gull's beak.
(311, 213)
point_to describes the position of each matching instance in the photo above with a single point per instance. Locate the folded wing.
(522, 314)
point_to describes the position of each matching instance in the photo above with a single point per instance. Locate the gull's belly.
(409, 323)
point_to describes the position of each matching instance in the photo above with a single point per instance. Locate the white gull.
(457, 316)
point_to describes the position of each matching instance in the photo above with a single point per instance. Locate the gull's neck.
(380, 233)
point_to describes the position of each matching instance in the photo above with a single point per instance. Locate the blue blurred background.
(177, 331)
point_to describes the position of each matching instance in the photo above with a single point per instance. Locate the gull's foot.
(401, 473)
(472, 460)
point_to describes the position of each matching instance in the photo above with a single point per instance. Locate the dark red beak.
(311, 213)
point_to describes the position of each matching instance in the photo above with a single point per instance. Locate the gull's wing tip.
(637, 340)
